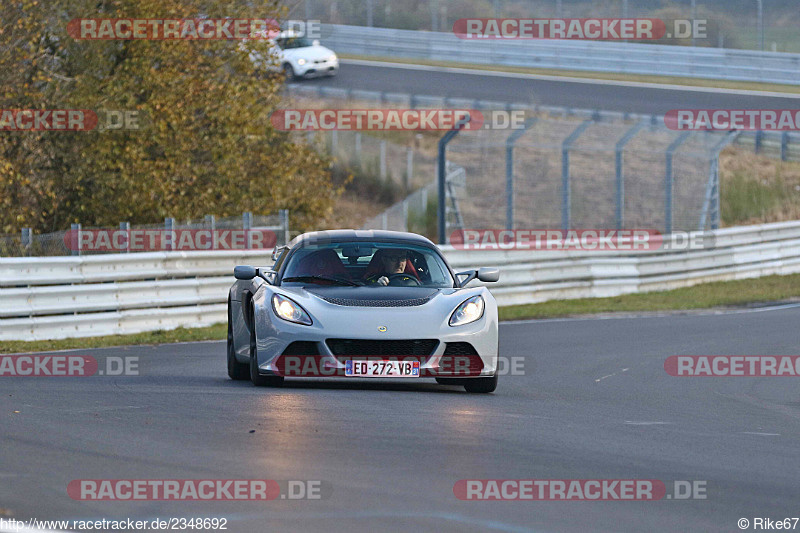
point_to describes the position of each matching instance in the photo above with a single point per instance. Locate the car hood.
(371, 296)
(309, 53)
(390, 312)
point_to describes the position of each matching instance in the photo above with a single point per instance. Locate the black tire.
(257, 379)
(481, 385)
(288, 71)
(236, 370)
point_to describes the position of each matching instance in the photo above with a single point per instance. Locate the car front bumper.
(368, 326)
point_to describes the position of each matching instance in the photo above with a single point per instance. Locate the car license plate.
(381, 369)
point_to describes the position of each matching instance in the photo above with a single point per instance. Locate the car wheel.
(288, 71)
(481, 385)
(257, 379)
(236, 370)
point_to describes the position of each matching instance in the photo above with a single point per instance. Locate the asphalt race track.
(595, 403)
(583, 94)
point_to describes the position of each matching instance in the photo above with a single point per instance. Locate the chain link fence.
(60, 243)
(564, 169)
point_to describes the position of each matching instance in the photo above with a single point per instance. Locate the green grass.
(745, 198)
(642, 78)
(704, 296)
(215, 332)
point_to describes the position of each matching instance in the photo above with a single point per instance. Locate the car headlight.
(301, 62)
(332, 58)
(469, 311)
(289, 310)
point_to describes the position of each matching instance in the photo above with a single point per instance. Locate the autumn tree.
(205, 143)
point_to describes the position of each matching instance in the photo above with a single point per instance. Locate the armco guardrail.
(60, 297)
(595, 56)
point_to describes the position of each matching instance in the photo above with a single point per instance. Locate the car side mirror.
(244, 272)
(489, 274)
(485, 274)
(268, 275)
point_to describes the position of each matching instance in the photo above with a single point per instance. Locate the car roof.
(317, 237)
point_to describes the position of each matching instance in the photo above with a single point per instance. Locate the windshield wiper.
(322, 278)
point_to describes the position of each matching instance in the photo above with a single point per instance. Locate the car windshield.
(367, 263)
(295, 42)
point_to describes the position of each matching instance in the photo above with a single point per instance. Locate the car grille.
(397, 348)
(412, 302)
(460, 359)
(459, 348)
(301, 348)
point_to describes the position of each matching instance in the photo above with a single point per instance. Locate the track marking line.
(633, 423)
(761, 434)
(611, 375)
(568, 79)
(676, 313)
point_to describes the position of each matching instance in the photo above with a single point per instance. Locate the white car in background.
(298, 57)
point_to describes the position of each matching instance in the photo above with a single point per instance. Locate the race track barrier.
(63, 297)
(591, 56)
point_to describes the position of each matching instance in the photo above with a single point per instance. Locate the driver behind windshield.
(388, 263)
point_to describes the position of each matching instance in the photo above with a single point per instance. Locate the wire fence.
(62, 243)
(566, 168)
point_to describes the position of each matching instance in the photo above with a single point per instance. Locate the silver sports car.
(362, 304)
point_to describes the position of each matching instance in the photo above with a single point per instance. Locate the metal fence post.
(759, 139)
(383, 160)
(442, 176)
(76, 239)
(510, 170)
(711, 200)
(619, 167)
(409, 167)
(126, 227)
(565, 181)
(247, 224)
(284, 216)
(358, 149)
(169, 233)
(784, 146)
(405, 214)
(669, 179)
(211, 222)
(334, 141)
(26, 239)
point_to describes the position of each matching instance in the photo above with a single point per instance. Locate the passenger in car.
(386, 263)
